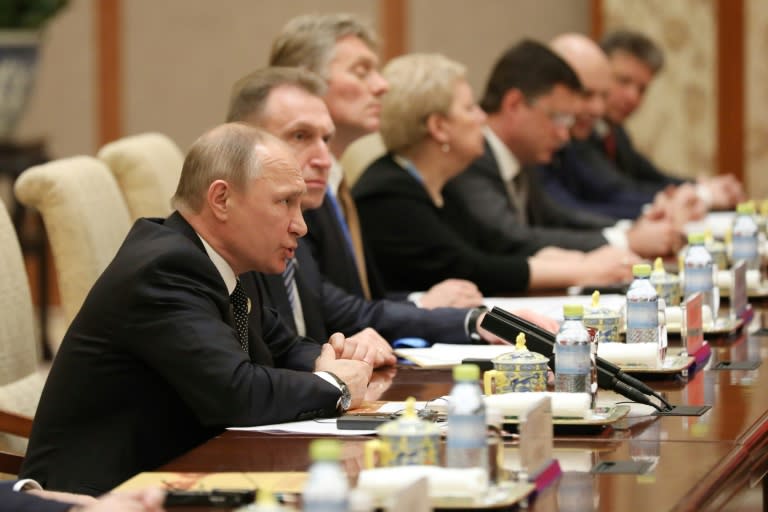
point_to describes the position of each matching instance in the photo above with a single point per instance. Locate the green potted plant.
(21, 23)
(28, 14)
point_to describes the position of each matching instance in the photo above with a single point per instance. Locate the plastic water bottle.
(327, 488)
(642, 307)
(699, 273)
(465, 445)
(744, 237)
(663, 334)
(575, 351)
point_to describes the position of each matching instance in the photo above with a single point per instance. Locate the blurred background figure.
(433, 129)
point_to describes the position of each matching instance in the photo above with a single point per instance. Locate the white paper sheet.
(552, 306)
(717, 222)
(324, 426)
(443, 355)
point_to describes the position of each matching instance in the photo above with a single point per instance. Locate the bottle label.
(325, 504)
(642, 315)
(573, 359)
(744, 247)
(698, 279)
(466, 431)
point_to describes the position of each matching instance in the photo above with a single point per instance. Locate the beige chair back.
(360, 154)
(21, 381)
(85, 217)
(147, 168)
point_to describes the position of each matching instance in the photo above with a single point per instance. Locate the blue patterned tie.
(289, 279)
(240, 309)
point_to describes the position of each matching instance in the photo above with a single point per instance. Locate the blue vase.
(18, 62)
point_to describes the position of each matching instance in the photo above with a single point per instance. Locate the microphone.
(609, 376)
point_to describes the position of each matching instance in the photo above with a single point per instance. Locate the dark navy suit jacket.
(11, 501)
(151, 367)
(328, 309)
(582, 178)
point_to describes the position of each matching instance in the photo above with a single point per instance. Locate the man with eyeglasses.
(580, 176)
(531, 99)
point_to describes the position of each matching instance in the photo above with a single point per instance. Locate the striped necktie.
(294, 299)
(241, 306)
(289, 279)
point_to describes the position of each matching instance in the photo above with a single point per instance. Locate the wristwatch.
(346, 397)
(472, 324)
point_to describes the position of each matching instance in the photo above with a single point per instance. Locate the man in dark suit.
(14, 499)
(288, 103)
(530, 99)
(162, 355)
(635, 60)
(580, 177)
(342, 49)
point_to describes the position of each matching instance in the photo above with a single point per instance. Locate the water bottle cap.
(325, 449)
(747, 208)
(696, 238)
(641, 270)
(466, 372)
(573, 310)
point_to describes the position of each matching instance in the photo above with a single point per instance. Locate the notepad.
(443, 355)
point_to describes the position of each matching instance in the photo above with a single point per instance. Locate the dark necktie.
(517, 190)
(241, 306)
(609, 145)
(353, 223)
(289, 279)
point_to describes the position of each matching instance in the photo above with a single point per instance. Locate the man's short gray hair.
(227, 152)
(250, 93)
(308, 41)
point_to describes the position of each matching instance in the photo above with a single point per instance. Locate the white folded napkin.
(566, 405)
(381, 483)
(675, 318)
(630, 354)
(725, 279)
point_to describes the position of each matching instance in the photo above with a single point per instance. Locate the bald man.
(173, 358)
(583, 178)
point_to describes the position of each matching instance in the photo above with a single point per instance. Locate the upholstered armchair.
(147, 168)
(85, 217)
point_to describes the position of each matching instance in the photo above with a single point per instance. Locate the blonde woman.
(432, 129)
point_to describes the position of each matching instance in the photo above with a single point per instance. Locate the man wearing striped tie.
(288, 103)
(342, 50)
(164, 353)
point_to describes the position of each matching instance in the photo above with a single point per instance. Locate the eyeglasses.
(559, 119)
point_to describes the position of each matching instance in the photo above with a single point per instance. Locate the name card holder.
(740, 308)
(536, 445)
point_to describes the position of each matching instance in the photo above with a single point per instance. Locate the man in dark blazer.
(14, 499)
(282, 101)
(635, 61)
(342, 49)
(162, 356)
(530, 99)
(582, 177)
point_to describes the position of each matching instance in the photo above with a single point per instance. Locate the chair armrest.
(16, 424)
(10, 463)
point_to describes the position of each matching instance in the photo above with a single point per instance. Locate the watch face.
(346, 400)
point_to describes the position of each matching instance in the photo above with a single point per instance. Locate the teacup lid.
(408, 424)
(521, 355)
(596, 311)
(714, 245)
(661, 276)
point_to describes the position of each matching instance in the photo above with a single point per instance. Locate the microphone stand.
(609, 376)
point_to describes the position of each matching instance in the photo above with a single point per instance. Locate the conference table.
(699, 463)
